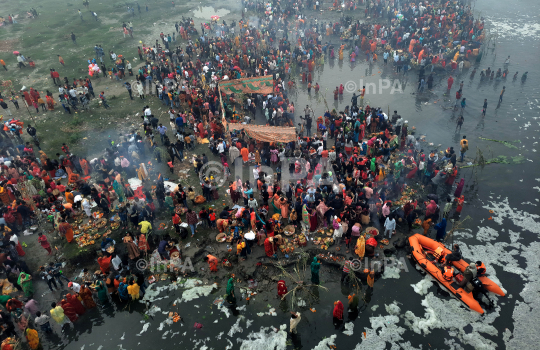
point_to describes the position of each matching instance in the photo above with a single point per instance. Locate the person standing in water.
(315, 266)
(460, 121)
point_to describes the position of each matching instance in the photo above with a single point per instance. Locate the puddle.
(207, 11)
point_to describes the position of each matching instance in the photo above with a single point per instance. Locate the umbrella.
(214, 17)
(15, 52)
(236, 68)
(372, 242)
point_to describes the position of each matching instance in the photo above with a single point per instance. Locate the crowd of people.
(350, 166)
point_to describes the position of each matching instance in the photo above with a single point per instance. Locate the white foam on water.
(424, 284)
(452, 345)
(218, 337)
(236, 327)
(374, 307)
(453, 317)
(391, 272)
(384, 329)
(463, 233)
(487, 234)
(506, 335)
(325, 343)
(514, 236)
(526, 314)
(153, 310)
(502, 210)
(268, 338)
(241, 308)
(196, 291)
(224, 309)
(393, 309)
(349, 328)
(144, 328)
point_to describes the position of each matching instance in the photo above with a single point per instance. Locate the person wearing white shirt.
(220, 148)
(389, 226)
(338, 231)
(74, 286)
(256, 174)
(252, 203)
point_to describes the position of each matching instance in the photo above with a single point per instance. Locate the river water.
(396, 315)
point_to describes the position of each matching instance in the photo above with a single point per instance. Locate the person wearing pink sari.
(321, 211)
(430, 209)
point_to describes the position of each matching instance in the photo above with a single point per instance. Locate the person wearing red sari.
(313, 223)
(143, 243)
(66, 230)
(18, 246)
(269, 246)
(50, 103)
(338, 312)
(42, 239)
(104, 264)
(202, 132)
(14, 304)
(452, 176)
(281, 288)
(34, 94)
(69, 310)
(86, 295)
(76, 304)
(27, 98)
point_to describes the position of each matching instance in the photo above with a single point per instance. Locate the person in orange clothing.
(212, 262)
(61, 60)
(84, 165)
(3, 64)
(104, 263)
(70, 198)
(245, 153)
(66, 229)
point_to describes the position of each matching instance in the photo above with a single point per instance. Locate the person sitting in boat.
(454, 256)
(480, 268)
(468, 275)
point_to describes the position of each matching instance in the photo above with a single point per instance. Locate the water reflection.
(207, 11)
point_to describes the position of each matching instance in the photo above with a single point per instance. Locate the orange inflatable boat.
(425, 249)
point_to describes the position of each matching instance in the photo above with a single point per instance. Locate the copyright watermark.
(214, 172)
(379, 266)
(379, 88)
(172, 265)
